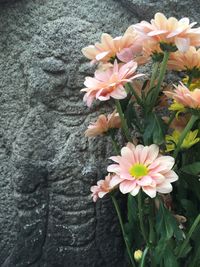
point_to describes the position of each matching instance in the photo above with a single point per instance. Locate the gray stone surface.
(47, 218)
(145, 9)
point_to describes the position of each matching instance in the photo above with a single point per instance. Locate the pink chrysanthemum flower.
(182, 95)
(102, 188)
(109, 83)
(141, 167)
(103, 124)
(185, 61)
(123, 47)
(170, 31)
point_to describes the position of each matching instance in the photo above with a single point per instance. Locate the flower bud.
(138, 255)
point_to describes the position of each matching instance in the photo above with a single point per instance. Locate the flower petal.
(144, 181)
(102, 194)
(182, 44)
(115, 180)
(171, 176)
(150, 191)
(127, 186)
(135, 191)
(153, 151)
(164, 188)
(113, 168)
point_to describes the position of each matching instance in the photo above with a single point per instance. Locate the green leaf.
(124, 102)
(164, 229)
(131, 89)
(192, 155)
(167, 225)
(149, 97)
(160, 250)
(193, 169)
(169, 258)
(190, 207)
(196, 257)
(159, 133)
(132, 227)
(186, 250)
(164, 254)
(154, 130)
(192, 181)
(149, 128)
(131, 116)
(143, 90)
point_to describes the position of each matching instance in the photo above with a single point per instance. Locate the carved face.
(55, 163)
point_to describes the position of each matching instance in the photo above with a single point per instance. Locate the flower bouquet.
(154, 131)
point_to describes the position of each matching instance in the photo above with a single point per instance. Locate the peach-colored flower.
(170, 31)
(185, 61)
(104, 66)
(103, 124)
(123, 47)
(142, 167)
(150, 48)
(182, 95)
(109, 83)
(102, 188)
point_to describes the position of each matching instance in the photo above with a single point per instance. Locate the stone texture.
(47, 218)
(145, 9)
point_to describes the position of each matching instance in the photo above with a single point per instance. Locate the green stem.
(195, 259)
(140, 210)
(123, 231)
(193, 227)
(152, 237)
(142, 263)
(188, 127)
(138, 99)
(137, 121)
(115, 145)
(123, 121)
(154, 74)
(152, 234)
(153, 262)
(161, 77)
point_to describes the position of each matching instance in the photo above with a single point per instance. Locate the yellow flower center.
(138, 170)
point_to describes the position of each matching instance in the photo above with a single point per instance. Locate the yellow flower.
(138, 255)
(175, 106)
(195, 83)
(178, 107)
(172, 140)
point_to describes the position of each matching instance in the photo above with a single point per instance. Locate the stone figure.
(47, 218)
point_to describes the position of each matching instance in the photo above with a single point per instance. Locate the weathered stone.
(145, 9)
(47, 166)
